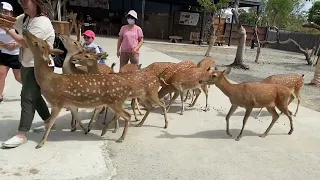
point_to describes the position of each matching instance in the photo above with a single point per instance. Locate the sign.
(104, 4)
(188, 18)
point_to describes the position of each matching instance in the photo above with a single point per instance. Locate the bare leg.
(17, 75)
(245, 119)
(53, 117)
(3, 74)
(275, 117)
(231, 111)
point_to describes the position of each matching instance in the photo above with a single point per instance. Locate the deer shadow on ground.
(213, 134)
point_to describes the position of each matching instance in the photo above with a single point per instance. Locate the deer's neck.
(226, 87)
(42, 71)
(93, 69)
(68, 67)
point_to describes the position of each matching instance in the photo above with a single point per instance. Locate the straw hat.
(45, 7)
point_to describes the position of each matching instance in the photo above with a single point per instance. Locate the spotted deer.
(74, 90)
(144, 85)
(158, 67)
(291, 81)
(74, 48)
(252, 95)
(186, 79)
(205, 64)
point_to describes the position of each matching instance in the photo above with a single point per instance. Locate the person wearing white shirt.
(9, 54)
(35, 19)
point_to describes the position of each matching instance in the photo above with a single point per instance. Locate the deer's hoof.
(119, 140)
(114, 131)
(290, 132)
(262, 136)
(138, 125)
(39, 146)
(238, 138)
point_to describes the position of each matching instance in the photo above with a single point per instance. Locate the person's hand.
(10, 46)
(135, 50)
(2, 44)
(118, 53)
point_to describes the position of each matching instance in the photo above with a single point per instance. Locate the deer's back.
(292, 81)
(206, 63)
(159, 67)
(87, 90)
(258, 95)
(129, 68)
(141, 82)
(188, 78)
(169, 72)
(104, 69)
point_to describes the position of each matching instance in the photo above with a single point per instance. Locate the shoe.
(42, 128)
(1, 99)
(15, 141)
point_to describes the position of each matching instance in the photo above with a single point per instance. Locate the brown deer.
(158, 67)
(144, 85)
(186, 79)
(253, 95)
(205, 64)
(291, 81)
(73, 90)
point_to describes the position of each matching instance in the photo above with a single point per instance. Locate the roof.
(243, 3)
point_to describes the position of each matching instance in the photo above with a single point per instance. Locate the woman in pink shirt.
(130, 41)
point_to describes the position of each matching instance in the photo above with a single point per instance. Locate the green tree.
(248, 18)
(278, 11)
(314, 13)
(212, 8)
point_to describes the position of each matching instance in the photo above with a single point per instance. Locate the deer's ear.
(227, 71)
(56, 51)
(139, 66)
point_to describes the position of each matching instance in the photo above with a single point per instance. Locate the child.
(88, 37)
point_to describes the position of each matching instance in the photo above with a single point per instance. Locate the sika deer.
(158, 67)
(187, 79)
(253, 95)
(130, 68)
(81, 91)
(291, 81)
(205, 64)
(73, 47)
(144, 85)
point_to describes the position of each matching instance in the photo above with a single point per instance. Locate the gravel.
(271, 62)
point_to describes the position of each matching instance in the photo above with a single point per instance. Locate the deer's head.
(216, 76)
(87, 58)
(39, 47)
(70, 44)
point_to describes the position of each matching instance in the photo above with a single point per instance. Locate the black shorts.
(11, 61)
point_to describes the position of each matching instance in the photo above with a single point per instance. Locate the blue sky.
(308, 5)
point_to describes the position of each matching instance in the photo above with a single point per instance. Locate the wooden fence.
(304, 40)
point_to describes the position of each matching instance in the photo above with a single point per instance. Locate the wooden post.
(204, 15)
(142, 13)
(59, 10)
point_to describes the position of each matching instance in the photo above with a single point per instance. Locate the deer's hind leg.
(275, 117)
(245, 119)
(94, 116)
(53, 117)
(75, 117)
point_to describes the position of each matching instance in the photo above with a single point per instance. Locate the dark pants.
(31, 100)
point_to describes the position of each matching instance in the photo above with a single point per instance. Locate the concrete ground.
(195, 145)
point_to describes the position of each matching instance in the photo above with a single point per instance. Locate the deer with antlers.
(291, 81)
(144, 85)
(252, 95)
(74, 90)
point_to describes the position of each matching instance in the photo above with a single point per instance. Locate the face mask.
(131, 21)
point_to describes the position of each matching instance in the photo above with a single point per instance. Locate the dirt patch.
(33, 171)
(271, 62)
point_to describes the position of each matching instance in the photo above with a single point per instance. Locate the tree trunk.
(239, 59)
(212, 38)
(316, 77)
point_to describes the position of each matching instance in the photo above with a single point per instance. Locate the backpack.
(58, 59)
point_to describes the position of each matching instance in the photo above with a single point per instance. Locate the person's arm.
(140, 39)
(119, 41)
(18, 26)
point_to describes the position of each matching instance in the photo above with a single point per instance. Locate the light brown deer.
(205, 64)
(186, 79)
(158, 67)
(292, 81)
(253, 95)
(144, 85)
(73, 90)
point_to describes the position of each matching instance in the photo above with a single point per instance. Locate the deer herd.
(85, 83)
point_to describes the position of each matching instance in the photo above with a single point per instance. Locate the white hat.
(7, 6)
(133, 14)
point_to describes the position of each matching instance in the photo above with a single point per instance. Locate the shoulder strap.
(24, 18)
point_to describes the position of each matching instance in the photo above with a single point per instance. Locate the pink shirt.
(130, 37)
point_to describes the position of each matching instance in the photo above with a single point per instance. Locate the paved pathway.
(194, 146)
